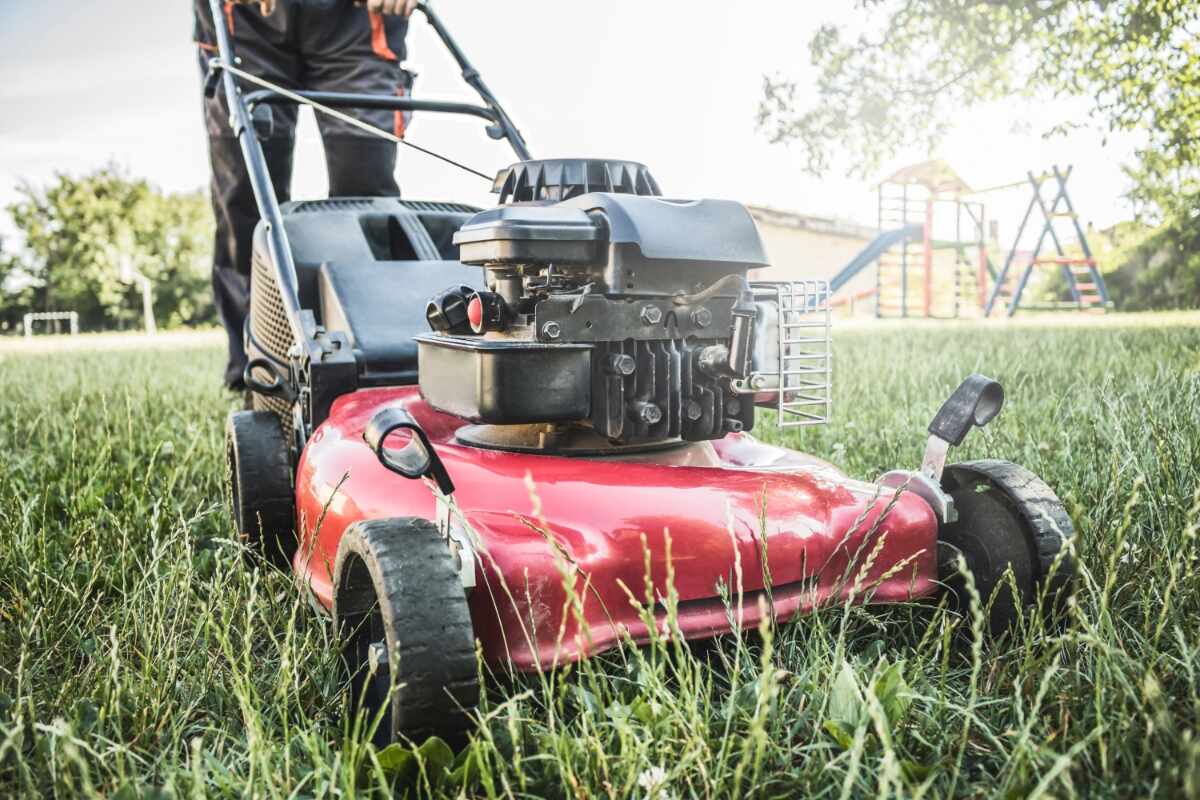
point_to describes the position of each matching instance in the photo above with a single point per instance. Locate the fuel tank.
(564, 543)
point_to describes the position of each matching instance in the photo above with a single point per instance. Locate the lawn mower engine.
(614, 319)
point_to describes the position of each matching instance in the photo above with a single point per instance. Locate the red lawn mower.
(467, 423)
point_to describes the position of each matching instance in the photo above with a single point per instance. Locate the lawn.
(139, 658)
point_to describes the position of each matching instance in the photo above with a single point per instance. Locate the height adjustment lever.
(975, 402)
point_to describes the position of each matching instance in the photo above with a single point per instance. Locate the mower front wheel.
(1008, 519)
(260, 485)
(404, 628)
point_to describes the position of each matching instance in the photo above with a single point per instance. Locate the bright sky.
(673, 84)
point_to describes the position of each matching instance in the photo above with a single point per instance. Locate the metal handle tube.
(475, 81)
(260, 179)
(348, 100)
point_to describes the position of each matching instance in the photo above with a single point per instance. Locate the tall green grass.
(139, 658)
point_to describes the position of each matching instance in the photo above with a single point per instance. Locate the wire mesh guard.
(798, 369)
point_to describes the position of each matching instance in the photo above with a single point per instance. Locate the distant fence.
(71, 317)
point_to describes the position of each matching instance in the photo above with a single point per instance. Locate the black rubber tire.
(1009, 517)
(260, 486)
(395, 581)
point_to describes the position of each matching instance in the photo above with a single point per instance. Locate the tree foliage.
(902, 82)
(1160, 268)
(82, 237)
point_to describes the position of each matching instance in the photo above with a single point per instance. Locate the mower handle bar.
(270, 97)
(491, 111)
(472, 78)
(241, 122)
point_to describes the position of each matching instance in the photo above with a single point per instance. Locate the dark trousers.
(337, 47)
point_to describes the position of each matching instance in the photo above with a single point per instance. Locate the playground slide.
(869, 254)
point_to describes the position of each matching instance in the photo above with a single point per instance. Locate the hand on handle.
(404, 7)
(264, 6)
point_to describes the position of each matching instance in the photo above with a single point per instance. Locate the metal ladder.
(899, 270)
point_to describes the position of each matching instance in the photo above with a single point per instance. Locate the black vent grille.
(431, 205)
(332, 204)
(365, 204)
(268, 322)
(271, 331)
(278, 407)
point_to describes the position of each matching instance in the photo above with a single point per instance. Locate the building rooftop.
(830, 226)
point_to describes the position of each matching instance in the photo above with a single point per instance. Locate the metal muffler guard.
(791, 369)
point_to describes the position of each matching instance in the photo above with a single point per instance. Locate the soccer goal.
(54, 320)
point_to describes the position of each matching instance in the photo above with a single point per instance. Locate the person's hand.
(265, 6)
(404, 7)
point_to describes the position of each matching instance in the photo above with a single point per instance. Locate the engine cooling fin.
(558, 179)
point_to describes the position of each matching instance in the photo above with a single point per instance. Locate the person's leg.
(361, 167)
(347, 49)
(263, 48)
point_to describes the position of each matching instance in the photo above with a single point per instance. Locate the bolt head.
(551, 330)
(651, 315)
(693, 411)
(650, 414)
(702, 317)
(621, 364)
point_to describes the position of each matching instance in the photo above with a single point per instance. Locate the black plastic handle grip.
(975, 402)
(261, 98)
(416, 459)
(279, 385)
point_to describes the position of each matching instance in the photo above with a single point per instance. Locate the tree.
(902, 82)
(1159, 268)
(83, 235)
(12, 303)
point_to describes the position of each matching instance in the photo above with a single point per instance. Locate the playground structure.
(70, 317)
(933, 253)
(1082, 277)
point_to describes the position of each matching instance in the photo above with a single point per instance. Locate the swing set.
(913, 280)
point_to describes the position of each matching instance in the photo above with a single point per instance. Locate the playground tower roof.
(936, 175)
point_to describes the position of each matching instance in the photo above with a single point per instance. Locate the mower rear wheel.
(260, 485)
(401, 615)
(1008, 518)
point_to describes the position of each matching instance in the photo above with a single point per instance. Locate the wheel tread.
(1051, 527)
(429, 622)
(260, 476)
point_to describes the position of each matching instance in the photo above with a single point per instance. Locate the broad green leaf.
(843, 737)
(846, 697)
